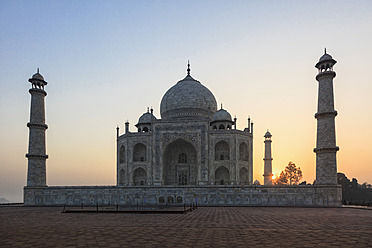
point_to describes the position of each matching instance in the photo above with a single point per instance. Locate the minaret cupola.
(326, 63)
(37, 81)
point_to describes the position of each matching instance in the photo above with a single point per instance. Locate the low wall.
(230, 195)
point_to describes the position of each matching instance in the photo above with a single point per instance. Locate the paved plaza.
(204, 227)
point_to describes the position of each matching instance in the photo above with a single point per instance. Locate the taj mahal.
(193, 152)
(192, 144)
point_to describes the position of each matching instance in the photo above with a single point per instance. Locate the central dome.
(188, 98)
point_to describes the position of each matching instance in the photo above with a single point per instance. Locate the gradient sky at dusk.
(107, 61)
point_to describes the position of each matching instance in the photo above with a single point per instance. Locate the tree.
(281, 180)
(294, 174)
(291, 175)
(354, 184)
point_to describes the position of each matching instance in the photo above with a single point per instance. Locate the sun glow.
(273, 177)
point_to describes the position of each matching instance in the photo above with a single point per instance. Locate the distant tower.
(268, 160)
(36, 174)
(326, 149)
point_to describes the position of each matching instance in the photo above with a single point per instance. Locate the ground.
(204, 227)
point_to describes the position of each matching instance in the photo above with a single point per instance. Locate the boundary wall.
(229, 195)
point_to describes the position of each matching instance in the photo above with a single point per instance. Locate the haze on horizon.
(106, 62)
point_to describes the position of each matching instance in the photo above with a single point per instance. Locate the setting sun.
(273, 177)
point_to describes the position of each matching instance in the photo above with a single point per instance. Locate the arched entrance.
(222, 176)
(179, 163)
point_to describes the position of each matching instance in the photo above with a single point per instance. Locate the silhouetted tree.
(294, 174)
(291, 175)
(281, 180)
(354, 193)
(354, 184)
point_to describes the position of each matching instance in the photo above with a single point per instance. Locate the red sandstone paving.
(204, 227)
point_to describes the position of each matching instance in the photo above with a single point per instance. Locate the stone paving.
(204, 227)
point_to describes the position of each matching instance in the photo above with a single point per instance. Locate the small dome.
(146, 118)
(256, 182)
(221, 115)
(267, 134)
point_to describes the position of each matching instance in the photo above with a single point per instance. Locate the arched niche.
(180, 163)
(121, 177)
(243, 151)
(139, 177)
(139, 152)
(243, 176)
(222, 151)
(222, 176)
(122, 154)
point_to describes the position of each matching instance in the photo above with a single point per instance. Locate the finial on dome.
(325, 50)
(188, 67)
(221, 105)
(38, 70)
(148, 110)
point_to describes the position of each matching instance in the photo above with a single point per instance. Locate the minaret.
(36, 174)
(268, 160)
(326, 149)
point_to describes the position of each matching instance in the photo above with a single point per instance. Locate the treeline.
(354, 193)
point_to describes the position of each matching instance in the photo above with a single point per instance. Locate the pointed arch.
(180, 163)
(222, 151)
(139, 153)
(121, 177)
(243, 176)
(122, 154)
(139, 176)
(222, 176)
(243, 151)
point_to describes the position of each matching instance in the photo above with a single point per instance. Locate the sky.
(107, 61)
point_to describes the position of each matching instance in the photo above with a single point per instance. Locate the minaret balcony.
(36, 90)
(37, 125)
(325, 114)
(326, 149)
(325, 74)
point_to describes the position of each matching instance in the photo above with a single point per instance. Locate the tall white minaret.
(36, 173)
(326, 149)
(268, 160)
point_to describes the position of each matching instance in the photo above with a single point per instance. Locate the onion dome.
(188, 98)
(256, 182)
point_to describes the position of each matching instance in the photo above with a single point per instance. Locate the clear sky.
(107, 61)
